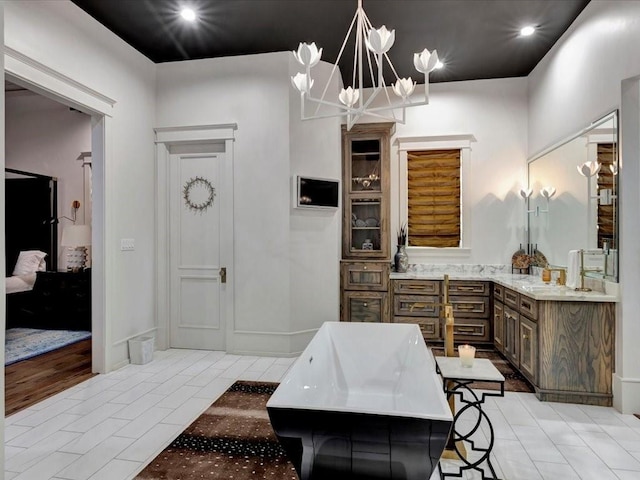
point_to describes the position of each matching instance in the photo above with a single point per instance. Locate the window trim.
(446, 142)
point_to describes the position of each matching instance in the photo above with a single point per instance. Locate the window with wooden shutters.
(433, 198)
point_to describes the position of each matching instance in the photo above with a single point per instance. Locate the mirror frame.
(612, 115)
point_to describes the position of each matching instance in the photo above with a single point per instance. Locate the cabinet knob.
(364, 304)
(524, 337)
(364, 268)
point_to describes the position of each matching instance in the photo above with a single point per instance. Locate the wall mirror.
(573, 199)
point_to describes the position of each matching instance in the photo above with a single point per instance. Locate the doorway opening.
(49, 209)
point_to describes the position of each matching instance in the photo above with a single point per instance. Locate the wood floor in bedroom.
(35, 379)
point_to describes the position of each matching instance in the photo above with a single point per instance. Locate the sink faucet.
(562, 275)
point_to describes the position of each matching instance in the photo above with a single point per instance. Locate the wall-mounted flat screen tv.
(316, 192)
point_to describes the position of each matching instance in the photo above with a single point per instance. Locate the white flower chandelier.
(353, 103)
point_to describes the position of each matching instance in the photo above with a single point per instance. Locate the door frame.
(165, 139)
(39, 78)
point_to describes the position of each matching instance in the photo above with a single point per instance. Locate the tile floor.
(111, 426)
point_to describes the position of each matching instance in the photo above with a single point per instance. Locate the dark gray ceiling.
(477, 39)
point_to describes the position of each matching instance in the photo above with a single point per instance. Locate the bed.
(31, 238)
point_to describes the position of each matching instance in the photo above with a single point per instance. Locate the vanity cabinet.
(420, 302)
(498, 317)
(365, 307)
(564, 348)
(511, 336)
(471, 310)
(365, 265)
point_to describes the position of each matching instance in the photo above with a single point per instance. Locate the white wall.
(495, 113)
(315, 150)
(576, 83)
(70, 44)
(45, 137)
(273, 275)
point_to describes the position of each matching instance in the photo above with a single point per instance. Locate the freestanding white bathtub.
(362, 401)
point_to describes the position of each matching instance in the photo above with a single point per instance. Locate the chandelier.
(370, 55)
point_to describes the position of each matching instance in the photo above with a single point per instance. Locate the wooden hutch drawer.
(528, 307)
(498, 292)
(416, 305)
(365, 276)
(473, 307)
(512, 298)
(471, 330)
(430, 327)
(417, 287)
(469, 287)
(365, 307)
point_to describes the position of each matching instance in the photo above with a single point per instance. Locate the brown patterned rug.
(514, 381)
(232, 439)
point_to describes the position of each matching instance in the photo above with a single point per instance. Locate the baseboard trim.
(270, 344)
(626, 394)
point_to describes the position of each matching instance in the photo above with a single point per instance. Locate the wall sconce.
(547, 192)
(525, 192)
(589, 169)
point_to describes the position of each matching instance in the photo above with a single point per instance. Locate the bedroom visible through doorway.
(48, 211)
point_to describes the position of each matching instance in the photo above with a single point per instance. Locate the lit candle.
(466, 352)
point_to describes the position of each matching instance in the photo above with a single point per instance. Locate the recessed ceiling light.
(188, 14)
(528, 30)
(439, 65)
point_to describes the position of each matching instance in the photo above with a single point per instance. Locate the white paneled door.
(197, 276)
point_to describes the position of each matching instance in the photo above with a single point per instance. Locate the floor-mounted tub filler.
(363, 401)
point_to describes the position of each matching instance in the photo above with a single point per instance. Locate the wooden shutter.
(606, 213)
(434, 198)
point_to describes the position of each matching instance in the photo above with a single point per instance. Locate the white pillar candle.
(467, 353)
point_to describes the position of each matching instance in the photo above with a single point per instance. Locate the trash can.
(141, 350)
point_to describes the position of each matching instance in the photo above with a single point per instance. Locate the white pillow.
(29, 261)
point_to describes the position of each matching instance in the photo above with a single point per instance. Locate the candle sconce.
(547, 192)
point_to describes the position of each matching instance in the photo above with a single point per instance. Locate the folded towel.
(573, 269)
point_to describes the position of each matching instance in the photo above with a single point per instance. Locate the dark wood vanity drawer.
(470, 307)
(417, 287)
(430, 327)
(365, 276)
(469, 287)
(512, 298)
(416, 305)
(471, 330)
(528, 307)
(365, 307)
(498, 292)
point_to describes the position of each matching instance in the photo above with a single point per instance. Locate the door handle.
(223, 275)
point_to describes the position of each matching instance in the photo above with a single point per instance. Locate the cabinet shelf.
(365, 228)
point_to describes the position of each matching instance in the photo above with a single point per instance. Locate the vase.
(401, 260)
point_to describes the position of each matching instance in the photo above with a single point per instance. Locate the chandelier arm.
(359, 37)
(335, 65)
(332, 104)
(369, 27)
(396, 107)
(393, 69)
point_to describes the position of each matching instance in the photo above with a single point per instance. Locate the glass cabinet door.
(365, 225)
(365, 166)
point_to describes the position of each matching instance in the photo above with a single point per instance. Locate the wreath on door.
(198, 194)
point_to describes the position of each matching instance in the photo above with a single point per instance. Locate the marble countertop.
(529, 285)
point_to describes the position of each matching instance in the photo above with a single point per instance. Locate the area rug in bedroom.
(232, 439)
(24, 343)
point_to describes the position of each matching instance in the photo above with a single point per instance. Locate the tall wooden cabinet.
(365, 265)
